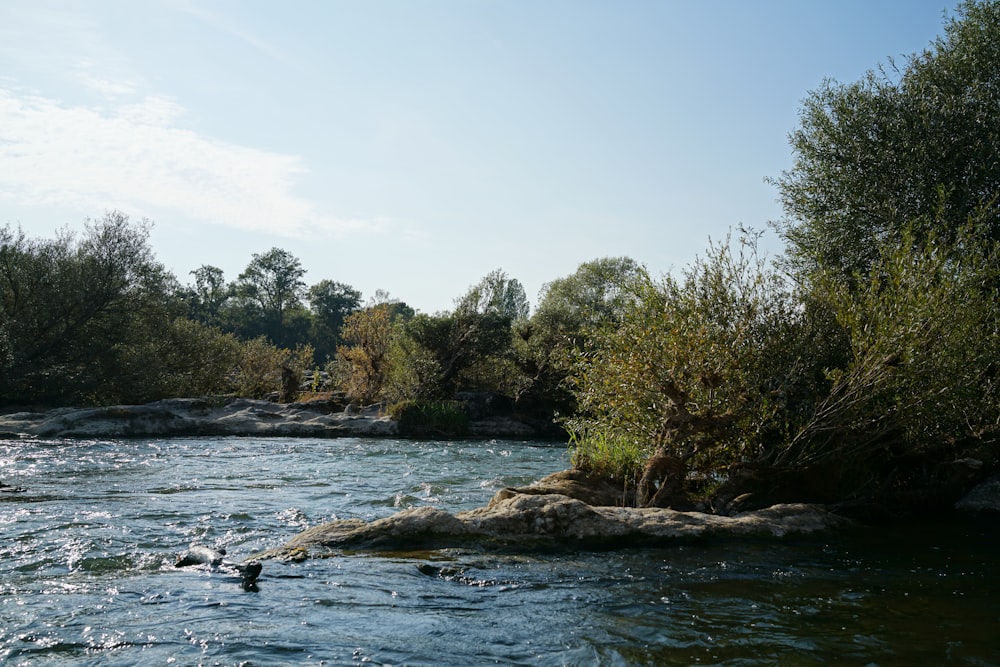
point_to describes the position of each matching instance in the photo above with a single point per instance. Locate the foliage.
(914, 147)
(924, 332)
(184, 358)
(264, 368)
(330, 302)
(710, 368)
(365, 357)
(208, 298)
(497, 295)
(469, 348)
(68, 305)
(268, 289)
(606, 454)
(597, 294)
(430, 418)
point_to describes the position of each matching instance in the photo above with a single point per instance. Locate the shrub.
(713, 368)
(430, 418)
(924, 332)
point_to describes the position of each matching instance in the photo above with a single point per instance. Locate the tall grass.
(611, 456)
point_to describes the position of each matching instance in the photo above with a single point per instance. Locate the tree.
(263, 368)
(495, 294)
(69, 304)
(365, 357)
(697, 369)
(467, 349)
(269, 287)
(915, 146)
(920, 382)
(209, 295)
(331, 302)
(598, 293)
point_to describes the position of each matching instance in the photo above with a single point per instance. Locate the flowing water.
(87, 575)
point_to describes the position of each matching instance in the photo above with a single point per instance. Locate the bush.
(430, 418)
(924, 332)
(265, 369)
(610, 456)
(713, 369)
(870, 386)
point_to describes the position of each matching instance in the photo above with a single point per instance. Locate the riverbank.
(565, 510)
(185, 417)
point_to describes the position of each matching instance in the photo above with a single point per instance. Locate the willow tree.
(916, 142)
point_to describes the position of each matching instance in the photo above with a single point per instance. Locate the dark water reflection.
(86, 574)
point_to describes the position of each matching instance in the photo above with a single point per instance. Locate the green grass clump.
(610, 456)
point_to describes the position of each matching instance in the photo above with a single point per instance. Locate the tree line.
(93, 319)
(860, 365)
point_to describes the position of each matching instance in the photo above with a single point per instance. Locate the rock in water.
(201, 555)
(215, 559)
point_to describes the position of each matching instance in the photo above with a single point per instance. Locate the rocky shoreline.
(179, 417)
(566, 510)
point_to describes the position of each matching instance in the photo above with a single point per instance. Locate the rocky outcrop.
(197, 417)
(547, 521)
(983, 498)
(574, 483)
(230, 416)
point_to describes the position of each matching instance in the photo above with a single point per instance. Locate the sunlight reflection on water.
(87, 575)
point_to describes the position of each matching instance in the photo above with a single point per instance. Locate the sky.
(415, 146)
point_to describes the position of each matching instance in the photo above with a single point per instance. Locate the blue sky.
(415, 146)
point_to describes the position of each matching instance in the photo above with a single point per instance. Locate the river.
(87, 575)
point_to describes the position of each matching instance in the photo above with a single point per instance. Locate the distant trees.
(331, 303)
(94, 318)
(570, 311)
(83, 317)
(269, 288)
(270, 299)
(209, 296)
(469, 348)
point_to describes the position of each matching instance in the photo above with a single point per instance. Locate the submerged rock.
(215, 560)
(547, 521)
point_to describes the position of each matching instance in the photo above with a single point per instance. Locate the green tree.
(495, 294)
(209, 295)
(267, 290)
(467, 349)
(68, 304)
(598, 293)
(331, 302)
(898, 148)
(176, 357)
(706, 369)
(920, 383)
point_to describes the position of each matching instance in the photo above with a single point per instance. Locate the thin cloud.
(137, 158)
(229, 27)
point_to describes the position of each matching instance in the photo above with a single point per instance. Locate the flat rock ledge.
(546, 521)
(177, 417)
(197, 417)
